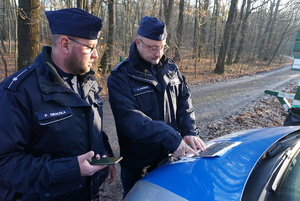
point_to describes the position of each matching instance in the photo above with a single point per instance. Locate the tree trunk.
(221, 59)
(168, 11)
(28, 32)
(168, 15)
(106, 61)
(80, 4)
(234, 38)
(196, 30)
(263, 44)
(214, 29)
(177, 56)
(271, 35)
(203, 28)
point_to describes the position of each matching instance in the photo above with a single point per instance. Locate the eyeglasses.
(155, 48)
(91, 48)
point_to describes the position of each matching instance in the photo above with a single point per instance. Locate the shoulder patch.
(119, 65)
(13, 81)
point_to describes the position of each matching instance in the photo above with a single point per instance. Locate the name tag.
(51, 116)
(141, 90)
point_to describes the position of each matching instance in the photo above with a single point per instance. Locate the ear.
(137, 42)
(65, 45)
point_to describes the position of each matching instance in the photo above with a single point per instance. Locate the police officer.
(151, 104)
(51, 118)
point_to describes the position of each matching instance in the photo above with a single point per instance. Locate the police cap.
(74, 22)
(152, 28)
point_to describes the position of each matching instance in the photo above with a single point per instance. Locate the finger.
(194, 144)
(190, 150)
(202, 145)
(87, 156)
(112, 174)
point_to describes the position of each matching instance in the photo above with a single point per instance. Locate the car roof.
(213, 178)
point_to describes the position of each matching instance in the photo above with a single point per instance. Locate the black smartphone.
(106, 161)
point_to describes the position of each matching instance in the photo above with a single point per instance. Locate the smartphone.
(106, 161)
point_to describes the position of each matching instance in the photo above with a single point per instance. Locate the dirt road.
(214, 101)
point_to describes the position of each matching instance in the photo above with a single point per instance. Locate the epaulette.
(13, 81)
(119, 65)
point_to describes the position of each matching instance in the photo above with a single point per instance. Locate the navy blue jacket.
(151, 114)
(44, 126)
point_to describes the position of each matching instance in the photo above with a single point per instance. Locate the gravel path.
(214, 101)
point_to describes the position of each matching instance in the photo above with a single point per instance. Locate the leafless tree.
(28, 32)
(228, 28)
(107, 57)
(179, 31)
(198, 28)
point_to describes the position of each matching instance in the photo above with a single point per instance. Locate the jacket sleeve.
(132, 122)
(22, 171)
(107, 145)
(186, 118)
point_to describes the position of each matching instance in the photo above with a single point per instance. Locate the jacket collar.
(52, 84)
(138, 67)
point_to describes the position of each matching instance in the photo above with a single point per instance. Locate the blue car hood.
(219, 178)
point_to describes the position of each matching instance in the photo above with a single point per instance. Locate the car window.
(290, 187)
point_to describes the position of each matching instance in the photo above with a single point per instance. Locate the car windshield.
(290, 186)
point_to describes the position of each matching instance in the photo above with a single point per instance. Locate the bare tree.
(269, 33)
(203, 27)
(235, 34)
(228, 27)
(213, 30)
(168, 5)
(177, 56)
(198, 28)
(107, 56)
(28, 32)
(168, 11)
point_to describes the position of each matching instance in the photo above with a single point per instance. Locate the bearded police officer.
(51, 118)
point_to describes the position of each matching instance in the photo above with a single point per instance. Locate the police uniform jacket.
(44, 126)
(152, 113)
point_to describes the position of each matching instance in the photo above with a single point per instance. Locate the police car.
(257, 164)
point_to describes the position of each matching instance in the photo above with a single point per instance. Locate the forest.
(214, 33)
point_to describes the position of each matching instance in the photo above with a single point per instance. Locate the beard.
(74, 66)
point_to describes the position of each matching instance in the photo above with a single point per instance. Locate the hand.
(112, 174)
(183, 149)
(85, 168)
(195, 142)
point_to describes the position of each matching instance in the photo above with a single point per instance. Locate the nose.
(159, 53)
(94, 53)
